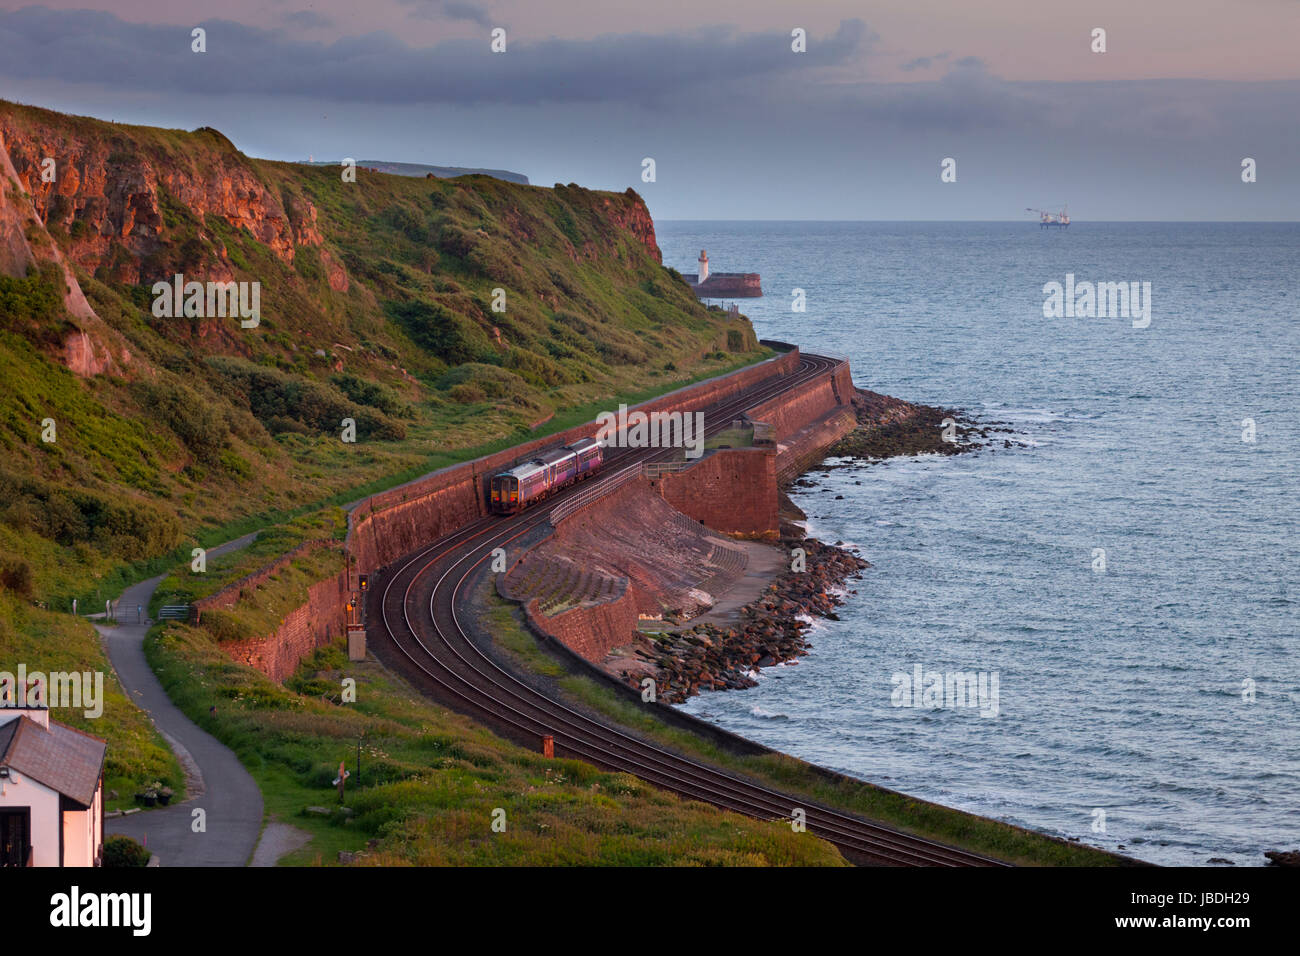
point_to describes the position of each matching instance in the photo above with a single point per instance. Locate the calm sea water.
(1124, 692)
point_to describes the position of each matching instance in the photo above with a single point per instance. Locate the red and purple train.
(514, 490)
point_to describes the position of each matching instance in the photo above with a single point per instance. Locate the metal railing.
(655, 470)
(579, 501)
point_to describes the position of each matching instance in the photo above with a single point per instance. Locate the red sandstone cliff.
(103, 195)
(634, 216)
(92, 348)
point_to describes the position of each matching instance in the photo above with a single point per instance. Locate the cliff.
(431, 313)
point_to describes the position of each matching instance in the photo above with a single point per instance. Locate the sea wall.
(791, 411)
(733, 491)
(729, 490)
(729, 285)
(590, 631)
(808, 421)
(394, 523)
(806, 447)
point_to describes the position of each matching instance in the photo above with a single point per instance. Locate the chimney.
(15, 704)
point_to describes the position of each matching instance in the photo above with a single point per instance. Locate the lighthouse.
(704, 267)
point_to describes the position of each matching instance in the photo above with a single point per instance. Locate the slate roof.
(60, 757)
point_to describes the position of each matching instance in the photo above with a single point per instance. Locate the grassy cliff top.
(437, 315)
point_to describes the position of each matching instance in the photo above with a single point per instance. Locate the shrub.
(373, 394)
(290, 403)
(16, 576)
(123, 851)
(536, 369)
(452, 337)
(467, 393)
(38, 299)
(190, 417)
(114, 524)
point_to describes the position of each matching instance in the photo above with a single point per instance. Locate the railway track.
(417, 625)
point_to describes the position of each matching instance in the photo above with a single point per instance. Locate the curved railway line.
(416, 623)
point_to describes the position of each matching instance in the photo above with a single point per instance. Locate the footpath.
(216, 782)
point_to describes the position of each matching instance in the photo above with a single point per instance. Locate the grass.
(431, 780)
(789, 774)
(50, 642)
(205, 431)
(184, 585)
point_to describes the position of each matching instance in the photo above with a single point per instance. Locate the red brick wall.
(396, 522)
(306, 628)
(233, 592)
(732, 490)
(792, 411)
(591, 631)
(801, 451)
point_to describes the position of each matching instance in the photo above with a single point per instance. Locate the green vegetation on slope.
(49, 642)
(430, 780)
(383, 310)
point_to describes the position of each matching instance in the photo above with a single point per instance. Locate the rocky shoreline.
(771, 630)
(891, 428)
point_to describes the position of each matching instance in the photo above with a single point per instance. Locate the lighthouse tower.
(704, 267)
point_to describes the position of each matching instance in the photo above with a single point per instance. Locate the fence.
(592, 495)
(654, 470)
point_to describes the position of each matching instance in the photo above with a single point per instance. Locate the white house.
(51, 791)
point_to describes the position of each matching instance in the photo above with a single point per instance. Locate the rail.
(654, 470)
(579, 501)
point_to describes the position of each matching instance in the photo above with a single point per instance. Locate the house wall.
(20, 791)
(82, 838)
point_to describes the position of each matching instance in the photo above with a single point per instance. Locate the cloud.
(307, 19)
(636, 69)
(447, 10)
(923, 62)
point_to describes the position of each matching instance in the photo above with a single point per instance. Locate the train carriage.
(512, 491)
(591, 455)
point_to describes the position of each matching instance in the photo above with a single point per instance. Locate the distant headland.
(423, 169)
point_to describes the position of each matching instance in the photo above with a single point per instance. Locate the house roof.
(60, 757)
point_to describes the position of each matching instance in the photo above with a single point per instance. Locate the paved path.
(278, 839)
(225, 791)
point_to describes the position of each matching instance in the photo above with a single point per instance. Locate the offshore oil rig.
(1060, 219)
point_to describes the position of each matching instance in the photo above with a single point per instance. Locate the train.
(514, 490)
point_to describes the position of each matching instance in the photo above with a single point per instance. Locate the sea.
(1121, 568)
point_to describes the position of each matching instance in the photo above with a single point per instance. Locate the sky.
(739, 125)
